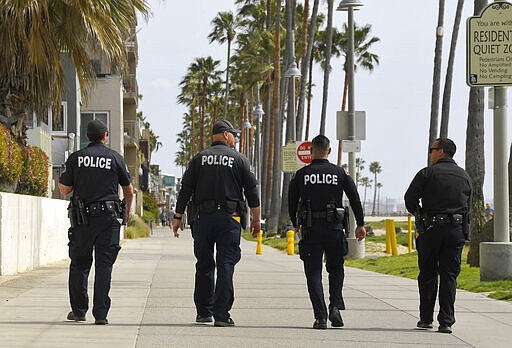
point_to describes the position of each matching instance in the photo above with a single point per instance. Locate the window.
(85, 118)
(59, 122)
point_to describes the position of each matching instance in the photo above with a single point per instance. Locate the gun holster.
(242, 212)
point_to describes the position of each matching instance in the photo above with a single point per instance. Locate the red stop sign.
(304, 152)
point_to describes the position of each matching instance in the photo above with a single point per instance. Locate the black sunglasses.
(434, 148)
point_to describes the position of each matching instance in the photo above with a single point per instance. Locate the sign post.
(489, 63)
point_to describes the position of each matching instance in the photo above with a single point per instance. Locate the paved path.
(152, 306)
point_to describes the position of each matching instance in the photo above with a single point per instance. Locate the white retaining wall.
(33, 232)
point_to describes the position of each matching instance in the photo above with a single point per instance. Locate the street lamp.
(257, 115)
(355, 249)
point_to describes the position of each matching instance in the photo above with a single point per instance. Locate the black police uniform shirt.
(444, 188)
(220, 174)
(322, 182)
(95, 173)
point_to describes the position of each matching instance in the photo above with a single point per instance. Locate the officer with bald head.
(316, 210)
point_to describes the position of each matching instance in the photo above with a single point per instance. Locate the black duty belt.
(318, 214)
(103, 208)
(445, 219)
(212, 206)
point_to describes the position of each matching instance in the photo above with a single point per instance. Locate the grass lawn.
(406, 265)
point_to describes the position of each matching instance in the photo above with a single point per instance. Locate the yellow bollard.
(259, 248)
(290, 236)
(394, 248)
(409, 233)
(388, 236)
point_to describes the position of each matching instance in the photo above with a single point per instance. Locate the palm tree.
(366, 182)
(436, 84)
(363, 57)
(33, 35)
(359, 168)
(327, 70)
(379, 186)
(304, 65)
(475, 161)
(224, 30)
(445, 114)
(375, 168)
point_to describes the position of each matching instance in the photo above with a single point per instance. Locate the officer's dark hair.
(95, 138)
(447, 145)
(320, 143)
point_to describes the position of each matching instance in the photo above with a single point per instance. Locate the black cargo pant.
(222, 230)
(439, 254)
(101, 234)
(329, 239)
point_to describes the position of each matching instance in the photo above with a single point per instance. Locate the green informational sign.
(489, 46)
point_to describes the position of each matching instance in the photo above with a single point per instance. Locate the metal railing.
(131, 132)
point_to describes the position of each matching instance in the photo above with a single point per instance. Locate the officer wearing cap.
(315, 201)
(217, 178)
(94, 174)
(444, 190)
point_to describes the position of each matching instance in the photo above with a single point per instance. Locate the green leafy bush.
(34, 175)
(11, 162)
(150, 207)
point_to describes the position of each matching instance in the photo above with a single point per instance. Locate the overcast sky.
(396, 96)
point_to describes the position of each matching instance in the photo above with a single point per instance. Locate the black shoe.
(203, 318)
(335, 317)
(445, 329)
(224, 323)
(73, 316)
(320, 324)
(101, 321)
(424, 325)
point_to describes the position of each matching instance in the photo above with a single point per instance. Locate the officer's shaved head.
(320, 146)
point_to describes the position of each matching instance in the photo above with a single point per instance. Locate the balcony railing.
(134, 175)
(131, 133)
(131, 88)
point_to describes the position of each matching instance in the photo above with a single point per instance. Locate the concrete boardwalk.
(152, 306)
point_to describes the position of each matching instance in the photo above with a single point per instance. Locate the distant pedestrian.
(489, 212)
(218, 178)
(93, 175)
(444, 190)
(315, 203)
(151, 225)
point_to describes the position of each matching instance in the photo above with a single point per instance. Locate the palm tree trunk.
(475, 161)
(374, 194)
(343, 106)
(310, 88)
(226, 93)
(275, 115)
(306, 72)
(445, 115)
(192, 130)
(327, 70)
(434, 106)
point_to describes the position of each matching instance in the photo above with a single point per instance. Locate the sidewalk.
(152, 306)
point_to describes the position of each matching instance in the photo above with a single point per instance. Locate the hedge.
(23, 169)
(34, 175)
(11, 161)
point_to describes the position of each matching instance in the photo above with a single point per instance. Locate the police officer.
(93, 175)
(315, 198)
(445, 193)
(218, 178)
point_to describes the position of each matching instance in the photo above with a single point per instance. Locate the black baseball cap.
(96, 127)
(222, 126)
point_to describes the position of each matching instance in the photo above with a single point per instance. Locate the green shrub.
(150, 207)
(11, 162)
(137, 228)
(34, 175)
